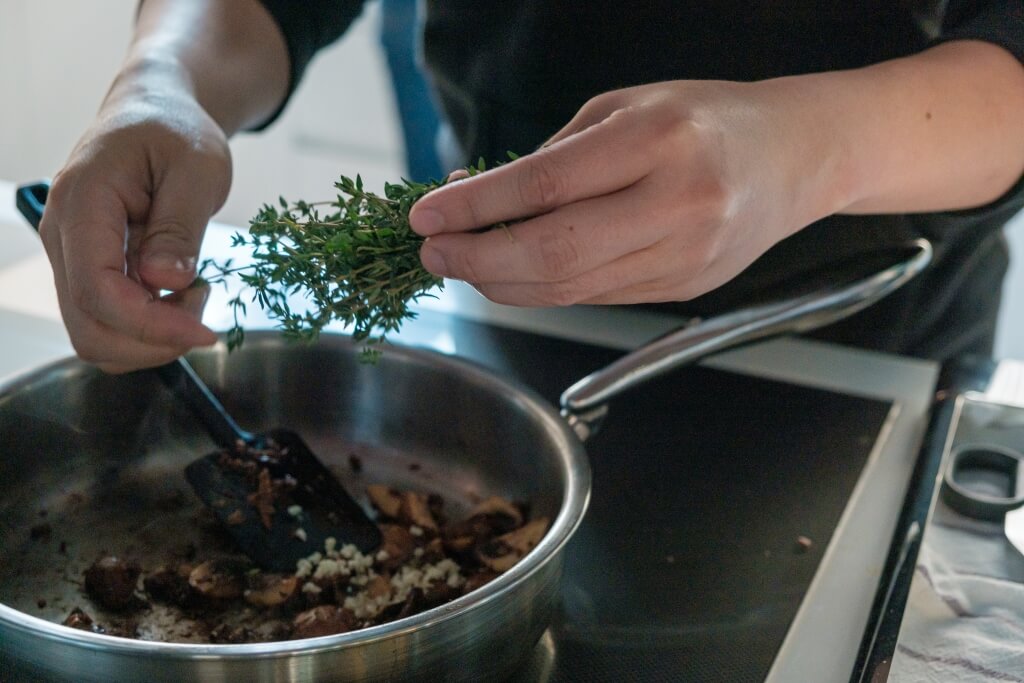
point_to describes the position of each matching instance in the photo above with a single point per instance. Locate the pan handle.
(584, 404)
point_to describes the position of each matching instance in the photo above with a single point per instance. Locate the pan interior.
(92, 464)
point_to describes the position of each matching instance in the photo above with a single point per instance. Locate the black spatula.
(269, 491)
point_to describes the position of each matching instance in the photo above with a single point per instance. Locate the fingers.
(553, 247)
(114, 321)
(596, 161)
(181, 207)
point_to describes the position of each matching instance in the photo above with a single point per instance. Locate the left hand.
(655, 193)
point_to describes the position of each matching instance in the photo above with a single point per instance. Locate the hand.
(655, 193)
(124, 221)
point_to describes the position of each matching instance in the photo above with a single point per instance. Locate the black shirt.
(509, 74)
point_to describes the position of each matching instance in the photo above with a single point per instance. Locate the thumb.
(169, 249)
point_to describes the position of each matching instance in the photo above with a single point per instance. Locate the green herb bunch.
(354, 260)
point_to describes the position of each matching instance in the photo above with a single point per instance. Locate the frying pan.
(101, 457)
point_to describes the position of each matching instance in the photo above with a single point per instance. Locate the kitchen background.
(58, 58)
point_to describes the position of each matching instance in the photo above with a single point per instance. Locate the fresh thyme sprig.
(354, 260)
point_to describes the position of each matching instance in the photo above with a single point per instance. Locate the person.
(690, 155)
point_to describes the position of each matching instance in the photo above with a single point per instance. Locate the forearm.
(229, 56)
(941, 130)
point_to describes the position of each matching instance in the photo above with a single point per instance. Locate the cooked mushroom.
(324, 620)
(270, 590)
(82, 621)
(504, 551)
(397, 546)
(111, 580)
(415, 510)
(385, 499)
(263, 498)
(170, 585)
(498, 507)
(219, 580)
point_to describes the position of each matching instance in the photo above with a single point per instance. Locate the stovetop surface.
(688, 565)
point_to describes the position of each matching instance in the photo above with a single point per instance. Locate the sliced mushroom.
(270, 590)
(111, 580)
(387, 500)
(170, 585)
(415, 510)
(263, 498)
(82, 621)
(324, 620)
(216, 580)
(496, 506)
(397, 544)
(504, 551)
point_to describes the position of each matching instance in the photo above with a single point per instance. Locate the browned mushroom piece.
(433, 551)
(263, 498)
(270, 590)
(504, 551)
(387, 500)
(503, 513)
(324, 620)
(218, 580)
(415, 510)
(82, 621)
(397, 546)
(170, 585)
(111, 580)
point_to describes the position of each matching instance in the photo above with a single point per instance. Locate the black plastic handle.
(178, 375)
(994, 458)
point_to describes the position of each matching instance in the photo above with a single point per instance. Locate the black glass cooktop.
(688, 565)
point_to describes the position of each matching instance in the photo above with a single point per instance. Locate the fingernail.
(165, 260)
(433, 260)
(426, 221)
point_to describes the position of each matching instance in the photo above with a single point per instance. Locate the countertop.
(823, 641)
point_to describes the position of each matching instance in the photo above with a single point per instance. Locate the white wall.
(57, 58)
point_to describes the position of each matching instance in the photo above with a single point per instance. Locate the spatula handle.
(177, 375)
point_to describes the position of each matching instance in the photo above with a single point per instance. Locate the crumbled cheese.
(294, 510)
(300, 534)
(349, 562)
(383, 556)
(418, 552)
(415, 530)
(303, 568)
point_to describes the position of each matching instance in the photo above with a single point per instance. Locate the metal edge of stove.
(982, 381)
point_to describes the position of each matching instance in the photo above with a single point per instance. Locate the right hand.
(124, 221)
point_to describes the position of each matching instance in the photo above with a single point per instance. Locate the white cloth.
(965, 616)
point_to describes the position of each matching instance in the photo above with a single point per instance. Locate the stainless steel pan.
(98, 460)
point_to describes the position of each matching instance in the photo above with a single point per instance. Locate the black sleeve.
(308, 26)
(997, 21)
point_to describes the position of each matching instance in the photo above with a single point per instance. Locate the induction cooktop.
(714, 497)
